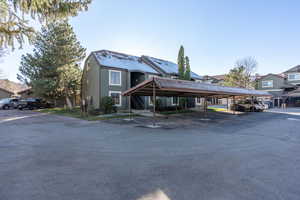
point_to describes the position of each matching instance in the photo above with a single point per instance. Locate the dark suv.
(34, 103)
(8, 103)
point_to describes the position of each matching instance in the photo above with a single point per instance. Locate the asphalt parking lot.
(254, 156)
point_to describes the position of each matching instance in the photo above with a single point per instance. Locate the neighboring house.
(280, 85)
(10, 89)
(217, 79)
(26, 93)
(293, 75)
(108, 73)
(272, 83)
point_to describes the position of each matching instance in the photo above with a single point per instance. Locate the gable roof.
(134, 63)
(218, 77)
(293, 69)
(168, 66)
(11, 87)
(270, 74)
(122, 61)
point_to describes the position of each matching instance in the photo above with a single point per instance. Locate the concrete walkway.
(290, 111)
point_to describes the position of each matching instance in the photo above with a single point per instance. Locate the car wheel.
(6, 107)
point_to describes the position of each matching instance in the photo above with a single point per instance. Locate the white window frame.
(175, 104)
(297, 79)
(198, 104)
(118, 92)
(120, 73)
(149, 99)
(262, 84)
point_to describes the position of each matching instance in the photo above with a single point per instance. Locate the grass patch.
(116, 117)
(76, 113)
(175, 112)
(217, 109)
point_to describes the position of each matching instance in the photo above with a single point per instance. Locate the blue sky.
(215, 33)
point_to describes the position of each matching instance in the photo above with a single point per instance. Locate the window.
(174, 100)
(114, 77)
(294, 77)
(198, 101)
(150, 101)
(267, 84)
(116, 96)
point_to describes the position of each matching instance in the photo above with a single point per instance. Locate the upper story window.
(267, 84)
(114, 77)
(294, 77)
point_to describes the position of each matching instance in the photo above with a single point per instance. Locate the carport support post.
(234, 105)
(227, 104)
(129, 103)
(205, 106)
(154, 103)
(252, 104)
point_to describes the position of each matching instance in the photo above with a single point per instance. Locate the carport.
(166, 87)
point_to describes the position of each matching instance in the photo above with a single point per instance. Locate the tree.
(240, 75)
(249, 63)
(184, 72)
(14, 15)
(181, 63)
(187, 74)
(53, 68)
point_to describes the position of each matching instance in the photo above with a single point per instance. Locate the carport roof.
(173, 87)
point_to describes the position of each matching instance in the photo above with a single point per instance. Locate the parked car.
(268, 104)
(9, 103)
(34, 103)
(247, 106)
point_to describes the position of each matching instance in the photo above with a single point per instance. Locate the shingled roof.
(134, 63)
(122, 61)
(11, 87)
(168, 66)
(293, 69)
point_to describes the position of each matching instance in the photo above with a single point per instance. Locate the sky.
(214, 33)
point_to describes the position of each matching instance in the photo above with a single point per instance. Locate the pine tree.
(187, 74)
(181, 63)
(53, 68)
(13, 13)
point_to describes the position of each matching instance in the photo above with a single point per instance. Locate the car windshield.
(4, 100)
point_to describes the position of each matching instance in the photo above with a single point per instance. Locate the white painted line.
(17, 118)
(293, 119)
